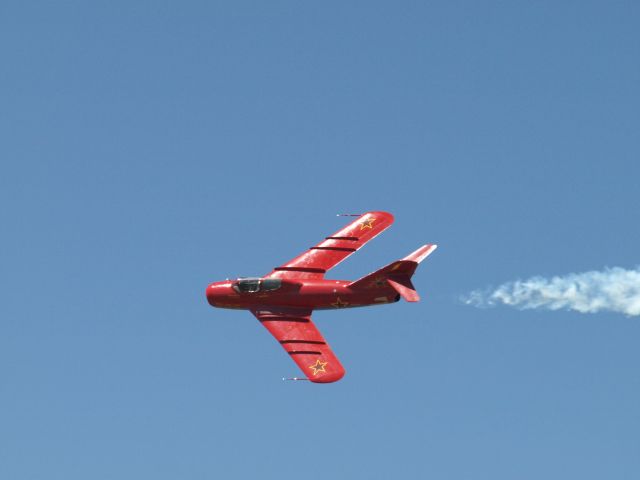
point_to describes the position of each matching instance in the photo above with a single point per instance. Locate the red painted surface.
(286, 310)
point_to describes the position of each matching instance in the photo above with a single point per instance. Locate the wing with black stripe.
(303, 342)
(315, 262)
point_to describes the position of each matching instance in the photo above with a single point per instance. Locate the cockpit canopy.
(253, 285)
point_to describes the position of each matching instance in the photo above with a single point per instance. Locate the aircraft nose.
(218, 293)
(211, 292)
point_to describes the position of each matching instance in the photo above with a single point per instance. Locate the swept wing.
(301, 339)
(316, 261)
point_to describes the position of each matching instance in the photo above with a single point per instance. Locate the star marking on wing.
(368, 223)
(318, 367)
(339, 303)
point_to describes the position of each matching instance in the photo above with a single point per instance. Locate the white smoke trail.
(613, 290)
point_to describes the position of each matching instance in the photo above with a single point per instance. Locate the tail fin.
(398, 274)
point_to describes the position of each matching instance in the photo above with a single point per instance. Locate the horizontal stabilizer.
(420, 254)
(405, 288)
(400, 269)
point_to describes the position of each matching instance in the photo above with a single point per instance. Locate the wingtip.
(386, 217)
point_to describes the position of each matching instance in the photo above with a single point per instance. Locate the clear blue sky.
(150, 147)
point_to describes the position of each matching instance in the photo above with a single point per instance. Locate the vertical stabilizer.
(398, 274)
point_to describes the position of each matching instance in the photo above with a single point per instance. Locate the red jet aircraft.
(284, 299)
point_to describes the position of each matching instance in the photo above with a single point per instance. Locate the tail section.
(398, 274)
(405, 288)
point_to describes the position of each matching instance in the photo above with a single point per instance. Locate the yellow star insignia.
(318, 367)
(339, 303)
(368, 223)
(379, 281)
